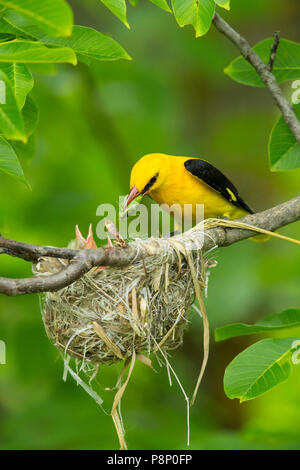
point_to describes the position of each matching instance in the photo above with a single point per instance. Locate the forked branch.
(83, 260)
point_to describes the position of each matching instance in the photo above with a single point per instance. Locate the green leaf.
(84, 40)
(21, 80)
(55, 17)
(284, 150)
(118, 8)
(90, 43)
(6, 37)
(197, 13)
(21, 26)
(11, 121)
(258, 368)
(134, 2)
(279, 321)
(9, 162)
(286, 65)
(7, 28)
(30, 114)
(34, 52)
(163, 4)
(223, 3)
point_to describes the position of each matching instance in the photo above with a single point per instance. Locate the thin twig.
(274, 50)
(30, 252)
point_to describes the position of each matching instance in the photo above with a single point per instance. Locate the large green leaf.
(8, 28)
(90, 43)
(85, 41)
(9, 162)
(286, 65)
(55, 17)
(197, 13)
(163, 4)
(6, 37)
(118, 8)
(21, 80)
(286, 319)
(223, 3)
(32, 52)
(22, 26)
(11, 121)
(258, 368)
(284, 150)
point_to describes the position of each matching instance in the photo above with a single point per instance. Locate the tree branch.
(274, 50)
(83, 260)
(32, 253)
(263, 71)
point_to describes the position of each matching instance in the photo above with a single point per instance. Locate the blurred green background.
(95, 122)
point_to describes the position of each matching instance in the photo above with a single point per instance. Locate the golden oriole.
(169, 179)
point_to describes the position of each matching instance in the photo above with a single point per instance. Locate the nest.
(110, 312)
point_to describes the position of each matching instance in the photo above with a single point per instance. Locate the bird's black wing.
(216, 180)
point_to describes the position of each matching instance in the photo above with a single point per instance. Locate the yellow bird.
(169, 179)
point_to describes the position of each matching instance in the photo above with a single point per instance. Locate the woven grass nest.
(126, 313)
(110, 312)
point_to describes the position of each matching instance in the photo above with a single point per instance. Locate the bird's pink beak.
(133, 194)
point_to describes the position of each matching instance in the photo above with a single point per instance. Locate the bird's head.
(146, 176)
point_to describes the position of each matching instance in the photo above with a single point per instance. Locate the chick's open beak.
(133, 194)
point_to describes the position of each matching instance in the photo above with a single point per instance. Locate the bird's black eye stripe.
(151, 183)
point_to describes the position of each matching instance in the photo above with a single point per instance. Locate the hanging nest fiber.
(110, 312)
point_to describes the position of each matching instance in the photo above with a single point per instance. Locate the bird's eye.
(150, 183)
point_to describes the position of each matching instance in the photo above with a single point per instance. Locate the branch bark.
(83, 260)
(263, 71)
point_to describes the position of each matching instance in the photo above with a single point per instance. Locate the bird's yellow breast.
(181, 187)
